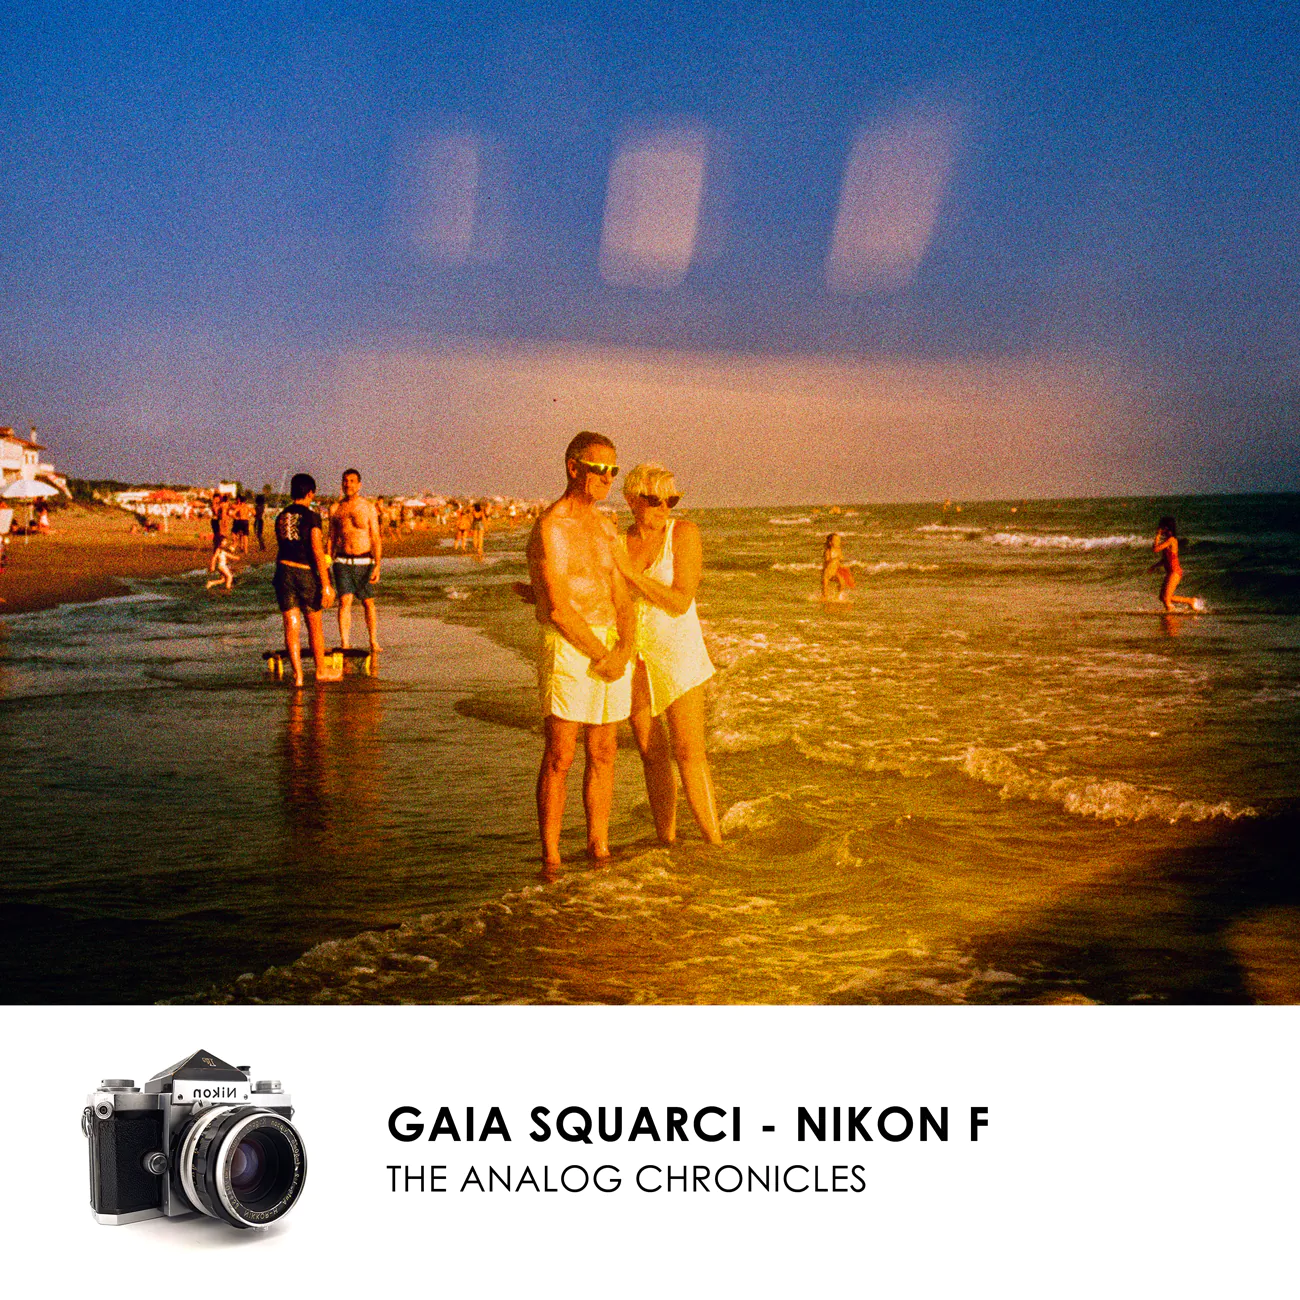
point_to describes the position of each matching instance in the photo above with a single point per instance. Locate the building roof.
(7, 433)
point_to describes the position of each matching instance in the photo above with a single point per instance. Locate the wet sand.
(89, 552)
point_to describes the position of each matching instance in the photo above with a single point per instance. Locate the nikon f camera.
(198, 1138)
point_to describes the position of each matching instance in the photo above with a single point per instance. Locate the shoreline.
(91, 555)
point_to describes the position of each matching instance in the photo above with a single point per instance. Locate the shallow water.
(995, 774)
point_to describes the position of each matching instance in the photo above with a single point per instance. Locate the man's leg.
(598, 785)
(345, 620)
(292, 642)
(552, 781)
(316, 635)
(372, 624)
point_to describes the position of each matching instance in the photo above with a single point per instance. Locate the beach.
(91, 552)
(997, 774)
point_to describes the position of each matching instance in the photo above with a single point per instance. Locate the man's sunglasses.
(602, 470)
(652, 501)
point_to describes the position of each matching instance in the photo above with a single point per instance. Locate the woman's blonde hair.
(650, 479)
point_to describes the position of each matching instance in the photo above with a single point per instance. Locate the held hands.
(327, 597)
(613, 665)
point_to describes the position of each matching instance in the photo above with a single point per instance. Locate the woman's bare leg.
(686, 726)
(656, 758)
(1167, 597)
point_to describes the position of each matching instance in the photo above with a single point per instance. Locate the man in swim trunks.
(302, 578)
(587, 629)
(358, 548)
(241, 517)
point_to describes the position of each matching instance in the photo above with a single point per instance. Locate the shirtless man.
(358, 548)
(587, 627)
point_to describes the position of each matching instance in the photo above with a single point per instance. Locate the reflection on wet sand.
(332, 779)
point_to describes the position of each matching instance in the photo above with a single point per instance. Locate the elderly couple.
(620, 638)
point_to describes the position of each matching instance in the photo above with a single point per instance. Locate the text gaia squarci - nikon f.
(198, 1138)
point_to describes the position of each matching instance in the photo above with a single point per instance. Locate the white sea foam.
(1117, 801)
(863, 566)
(798, 519)
(1064, 542)
(753, 814)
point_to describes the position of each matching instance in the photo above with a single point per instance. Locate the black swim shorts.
(297, 588)
(352, 579)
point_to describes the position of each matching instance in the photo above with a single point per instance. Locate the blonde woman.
(663, 563)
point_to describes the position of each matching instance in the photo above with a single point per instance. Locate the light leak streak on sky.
(652, 209)
(449, 195)
(894, 185)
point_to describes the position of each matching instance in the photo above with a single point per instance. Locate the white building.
(21, 458)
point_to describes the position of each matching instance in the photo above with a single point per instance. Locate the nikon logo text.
(187, 1091)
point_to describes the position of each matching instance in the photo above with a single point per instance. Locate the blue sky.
(1124, 186)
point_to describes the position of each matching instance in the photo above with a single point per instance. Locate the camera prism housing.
(198, 1138)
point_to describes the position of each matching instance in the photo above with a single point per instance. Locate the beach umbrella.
(28, 489)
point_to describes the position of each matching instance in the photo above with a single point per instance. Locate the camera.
(198, 1138)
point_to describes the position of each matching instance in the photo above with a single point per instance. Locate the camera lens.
(241, 1164)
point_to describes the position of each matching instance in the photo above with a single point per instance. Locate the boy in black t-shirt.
(302, 578)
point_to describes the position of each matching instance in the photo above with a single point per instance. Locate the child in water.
(834, 570)
(1166, 547)
(220, 564)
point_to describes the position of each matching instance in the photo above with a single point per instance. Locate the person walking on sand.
(587, 626)
(1166, 548)
(478, 527)
(834, 570)
(662, 563)
(215, 507)
(302, 578)
(464, 518)
(241, 516)
(358, 547)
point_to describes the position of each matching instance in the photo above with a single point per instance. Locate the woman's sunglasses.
(602, 470)
(653, 501)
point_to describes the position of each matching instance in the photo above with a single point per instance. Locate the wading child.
(220, 564)
(834, 570)
(1166, 547)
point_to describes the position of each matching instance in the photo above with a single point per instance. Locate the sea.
(996, 773)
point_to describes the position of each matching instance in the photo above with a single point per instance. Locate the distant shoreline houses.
(20, 458)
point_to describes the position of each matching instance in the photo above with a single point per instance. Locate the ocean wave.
(532, 945)
(798, 519)
(863, 566)
(1064, 542)
(1117, 801)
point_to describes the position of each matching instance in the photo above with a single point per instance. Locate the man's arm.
(322, 566)
(376, 539)
(553, 567)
